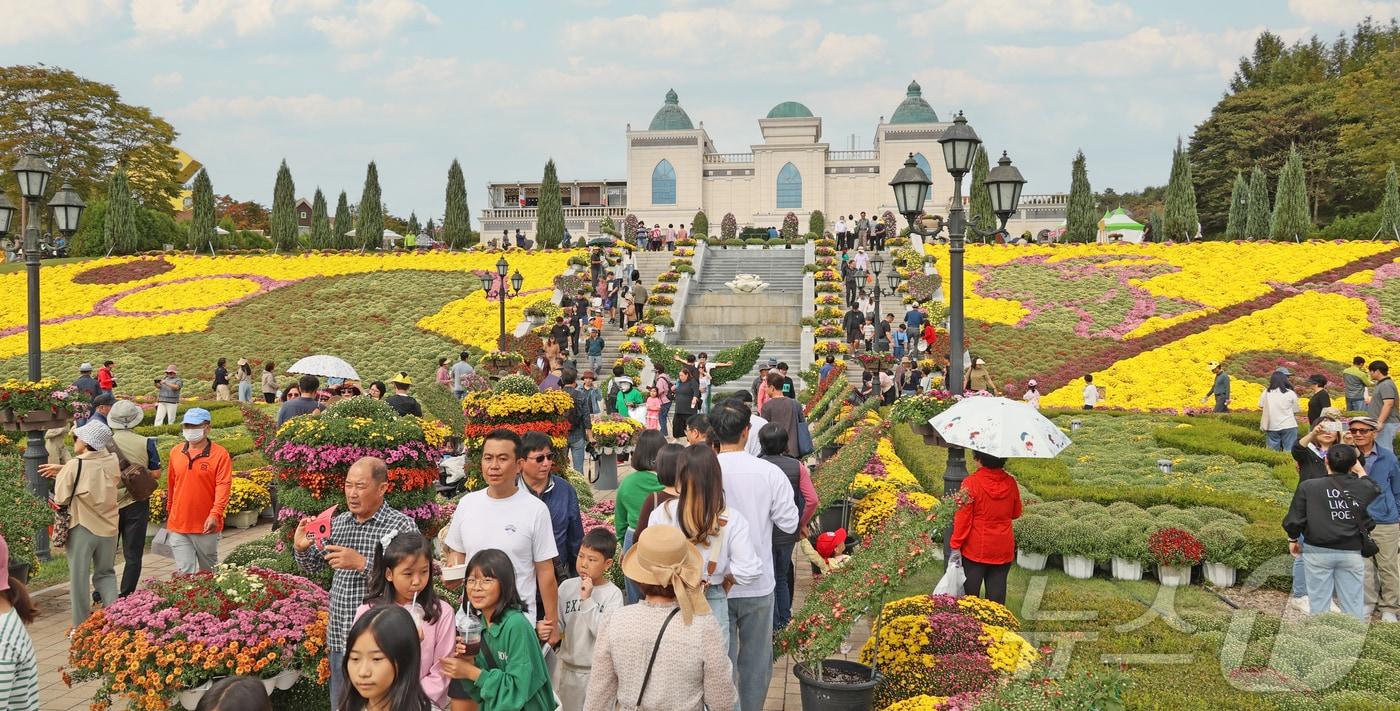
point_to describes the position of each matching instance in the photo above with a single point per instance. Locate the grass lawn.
(51, 573)
(7, 267)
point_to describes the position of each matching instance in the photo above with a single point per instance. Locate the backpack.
(137, 479)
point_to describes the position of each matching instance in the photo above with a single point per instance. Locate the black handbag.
(1369, 548)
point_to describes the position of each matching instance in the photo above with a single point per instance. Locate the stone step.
(709, 333)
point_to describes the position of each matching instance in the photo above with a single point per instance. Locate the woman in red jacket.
(982, 540)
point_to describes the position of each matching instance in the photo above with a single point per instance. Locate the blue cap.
(196, 416)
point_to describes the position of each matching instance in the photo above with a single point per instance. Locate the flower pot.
(1031, 561)
(1124, 569)
(1164, 466)
(1174, 576)
(922, 428)
(268, 513)
(269, 685)
(606, 473)
(33, 420)
(1077, 566)
(242, 519)
(845, 686)
(827, 452)
(19, 571)
(1220, 575)
(835, 516)
(153, 526)
(189, 698)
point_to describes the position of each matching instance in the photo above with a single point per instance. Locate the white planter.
(152, 527)
(1174, 576)
(189, 698)
(1126, 569)
(287, 679)
(754, 246)
(1077, 566)
(242, 519)
(1219, 575)
(1031, 561)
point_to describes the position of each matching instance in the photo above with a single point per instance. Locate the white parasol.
(1000, 427)
(324, 366)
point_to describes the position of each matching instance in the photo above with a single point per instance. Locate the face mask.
(193, 436)
(624, 387)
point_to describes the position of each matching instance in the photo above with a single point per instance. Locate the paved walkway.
(50, 633)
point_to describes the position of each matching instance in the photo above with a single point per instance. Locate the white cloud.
(837, 52)
(1343, 12)
(1022, 16)
(371, 19)
(310, 108)
(704, 36)
(167, 80)
(29, 21)
(1145, 51)
(514, 24)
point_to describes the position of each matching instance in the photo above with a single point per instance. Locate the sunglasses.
(1361, 431)
(541, 458)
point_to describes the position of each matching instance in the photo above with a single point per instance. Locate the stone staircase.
(717, 318)
(649, 264)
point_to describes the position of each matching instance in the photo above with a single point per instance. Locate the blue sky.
(331, 84)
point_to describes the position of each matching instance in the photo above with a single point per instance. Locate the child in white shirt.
(584, 602)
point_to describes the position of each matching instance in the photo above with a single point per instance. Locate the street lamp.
(911, 186)
(488, 281)
(877, 264)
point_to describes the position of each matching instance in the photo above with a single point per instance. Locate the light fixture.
(67, 209)
(7, 213)
(32, 172)
(487, 281)
(894, 279)
(959, 143)
(1004, 182)
(502, 267)
(516, 281)
(911, 187)
(877, 264)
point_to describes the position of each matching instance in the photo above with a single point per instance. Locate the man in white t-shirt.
(1091, 393)
(507, 517)
(760, 492)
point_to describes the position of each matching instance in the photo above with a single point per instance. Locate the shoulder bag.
(651, 661)
(137, 479)
(1369, 547)
(62, 516)
(804, 435)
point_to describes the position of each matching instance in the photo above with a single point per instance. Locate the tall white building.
(674, 169)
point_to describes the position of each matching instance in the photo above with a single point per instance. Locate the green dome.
(914, 109)
(670, 117)
(790, 109)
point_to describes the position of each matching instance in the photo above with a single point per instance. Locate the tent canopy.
(1117, 222)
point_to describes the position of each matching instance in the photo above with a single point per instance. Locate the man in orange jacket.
(199, 480)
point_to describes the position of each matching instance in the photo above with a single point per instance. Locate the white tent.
(1117, 226)
(220, 231)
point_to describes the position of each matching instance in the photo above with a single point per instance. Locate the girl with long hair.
(403, 577)
(21, 688)
(381, 663)
(1278, 417)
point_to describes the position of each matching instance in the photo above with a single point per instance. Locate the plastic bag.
(951, 583)
(638, 413)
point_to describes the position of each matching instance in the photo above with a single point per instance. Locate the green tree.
(343, 223)
(1180, 221)
(1155, 221)
(817, 223)
(1390, 205)
(1256, 224)
(456, 223)
(979, 209)
(369, 221)
(1239, 211)
(413, 227)
(1081, 223)
(202, 215)
(549, 216)
(284, 210)
(1291, 219)
(119, 231)
(699, 225)
(322, 235)
(85, 130)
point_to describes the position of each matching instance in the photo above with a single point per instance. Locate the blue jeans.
(1283, 440)
(751, 648)
(661, 416)
(1386, 439)
(576, 452)
(632, 594)
(337, 660)
(782, 594)
(719, 607)
(1357, 405)
(1300, 578)
(1331, 571)
(245, 391)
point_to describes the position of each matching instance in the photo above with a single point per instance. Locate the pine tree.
(1239, 210)
(549, 217)
(1155, 220)
(119, 230)
(369, 222)
(431, 228)
(456, 223)
(817, 223)
(1081, 224)
(1291, 219)
(343, 223)
(699, 225)
(1390, 206)
(284, 211)
(413, 227)
(1256, 224)
(322, 236)
(1180, 220)
(202, 219)
(979, 209)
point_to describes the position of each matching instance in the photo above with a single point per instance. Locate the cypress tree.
(284, 206)
(1256, 224)
(413, 227)
(322, 236)
(700, 225)
(1390, 206)
(549, 217)
(456, 223)
(1291, 219)
(369, 222)
(1081, 224)
(119, 230)
(1156, 221)
(202, 219)
(980, 197)
(1180, 220)
(1239, 210)
(343, 223)
(431, 228)
(816, 223)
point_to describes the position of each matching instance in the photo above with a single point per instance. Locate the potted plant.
(1224, 553)
(157, 519)
(612, 435)
(245, 500)
(918, 410)
(1035, 536)
(27, 405)
(874, 361)
(1080, 544)
(1127, 544)
(1174, 551)
(21, 514)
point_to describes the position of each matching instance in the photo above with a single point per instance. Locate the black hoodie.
(1330, 511)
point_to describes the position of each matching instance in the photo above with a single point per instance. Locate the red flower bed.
(1175, 546)
(121, 273)
(475, 431)
(322, 483)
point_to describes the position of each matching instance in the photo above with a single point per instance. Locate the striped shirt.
(19, 673)
(348, 586)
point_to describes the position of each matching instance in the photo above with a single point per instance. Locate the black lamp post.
(516, 281)
(911, 187)
(877, 264)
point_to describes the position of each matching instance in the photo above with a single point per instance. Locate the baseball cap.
(195, 416)
(85, 368)
(1032, 382)
(1284, 370)
(827, 542)
(103, 399)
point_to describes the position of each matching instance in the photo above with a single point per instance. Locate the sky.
(329, 85)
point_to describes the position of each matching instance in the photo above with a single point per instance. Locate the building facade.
(674, 170)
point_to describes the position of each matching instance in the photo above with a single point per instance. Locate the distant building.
(303, 215)
(675, 170)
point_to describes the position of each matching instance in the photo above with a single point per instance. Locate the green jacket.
(633, 490)
(519, 680)
(628, 400)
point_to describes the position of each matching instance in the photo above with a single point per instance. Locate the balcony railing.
(728, 157)
(528, 213)
(852, 155)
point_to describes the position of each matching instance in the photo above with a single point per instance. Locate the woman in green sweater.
(508, 672)
(633, 492)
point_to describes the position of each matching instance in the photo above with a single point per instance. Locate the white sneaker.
(1389, 617)
(1299, 603)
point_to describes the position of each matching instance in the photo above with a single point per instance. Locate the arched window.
(789, 187)
(663, 184)
(923, 165)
